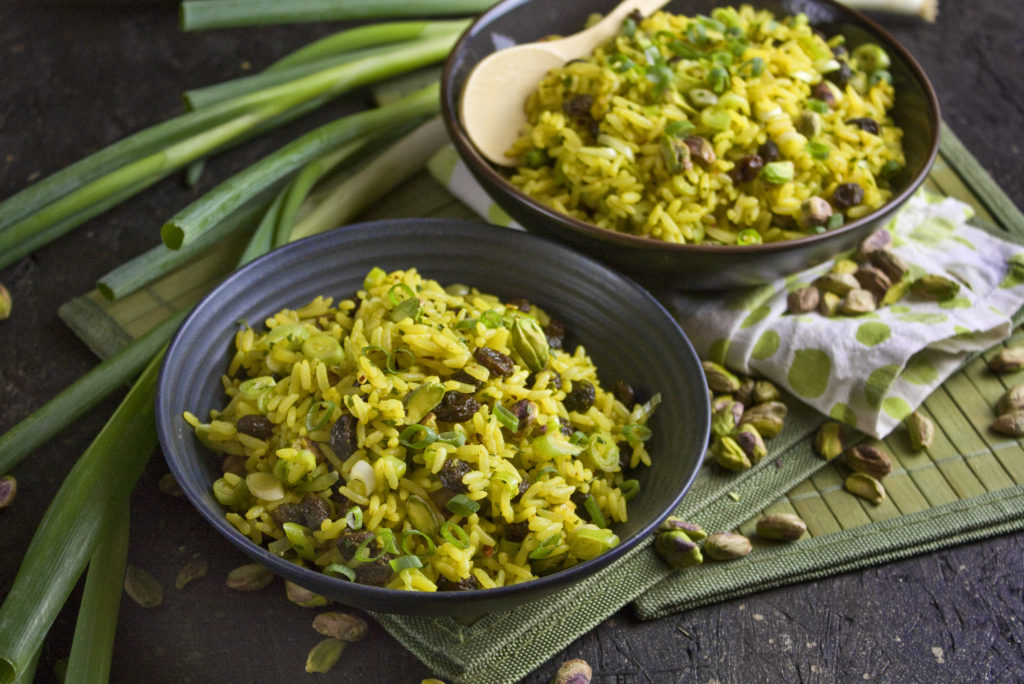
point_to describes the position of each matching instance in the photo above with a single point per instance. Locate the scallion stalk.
(93, 642)
(226, 197)
(200, 15)
(96, 487)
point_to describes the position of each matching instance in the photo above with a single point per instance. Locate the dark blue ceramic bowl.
(627, 332)
(693, 267)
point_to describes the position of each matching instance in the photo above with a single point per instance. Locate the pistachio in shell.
(768, 418)
(1011, 400)
(1008, 360)
(719, 378)
(677, 549)
(803, 300)
(728, 454)
(865, 458)
(781, 527)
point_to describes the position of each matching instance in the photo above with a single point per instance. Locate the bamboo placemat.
(966, 486)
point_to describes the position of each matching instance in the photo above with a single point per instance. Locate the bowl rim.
(480, 166)
(366, 596)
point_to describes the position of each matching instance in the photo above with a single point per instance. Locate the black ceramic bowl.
(628, 334)
(698, 267)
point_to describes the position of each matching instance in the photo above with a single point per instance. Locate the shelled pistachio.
(781, 527)
(866, 487)
(1011, 423)
(867, 459)
(677, 549)
(920, 430)
(828, 440)
(723, 546)
(1011, 400)
(1008, 360)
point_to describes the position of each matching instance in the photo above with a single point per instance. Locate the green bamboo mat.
(966, 486)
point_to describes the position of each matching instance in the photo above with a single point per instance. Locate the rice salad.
(425, 438)
(735, 128)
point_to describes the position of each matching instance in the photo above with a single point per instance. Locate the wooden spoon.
(494, 97)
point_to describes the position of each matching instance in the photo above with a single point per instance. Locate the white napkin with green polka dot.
(869, 371)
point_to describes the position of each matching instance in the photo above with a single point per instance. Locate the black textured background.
(75, 76)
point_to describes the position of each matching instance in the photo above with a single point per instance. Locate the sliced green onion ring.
(747, 236)
(546, 547)
(387, 540)
(407, 539)
(253, 387)
(466, 324)
(326, 410)
(455, 535)
(636, 433)
(392, 362)
(460, 504)
(405, 563)
(629, 489)
(577, 437)
(506, 418)
(492, 320)
(417, 436)
(594, 511)
(403, 288)
(354, 518)
(545, 470)
(362, 556)
(339, 569)
(455, 438)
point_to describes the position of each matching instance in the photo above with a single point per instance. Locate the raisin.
(256, 426)
(865, 123)
(840, 76)
(517, 532)
(343, 436)
(847, 195)
(309, 512)
(623, 391)
(746, 169)
(451, 474)
(526, 412)
(456, 407)
(466, 379)
(494, 361)
(580, 397)
(468, 584)
(768, 152)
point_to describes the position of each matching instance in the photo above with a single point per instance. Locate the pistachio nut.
(802, 300)
(781, 527)
(814, 211)
(195, 568)
(723, 546)
(5, 302)
(765, 391)
(344, 626)
(422, 401)
(935, 287)
(249, 577)
(719, 379)
(728, 454)
(573, 671)
(890, 263)
(873, 280)
(745, 394)
(323, 656)
(828, 440)
(530, 343)
(880, 239)
(725, 418)
(810, 125)
(767, 418)
(867, 459)
(920, 430)
(8, 488)
(719, 401)
(896, 292)
(301, 596)
(856, 302)
(142, 587)
(829, 303)
(701, 149)
(676, 524)
(866, 487)
(844, 266)
(836, 283)
(677, 550)
(1008, 360)
(750, 441)
(1011, 400)
(1011, 423)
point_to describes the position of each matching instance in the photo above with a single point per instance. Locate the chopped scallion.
(417, 436)
(341, 570)
(506, 418)
(460, 504)
(546, 547)
(354, 518)
(593, 510)
(455, 535)
(318, 415)
(405, 563)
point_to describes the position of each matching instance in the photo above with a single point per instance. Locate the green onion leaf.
(374, 277)
(752, 68)
(577, 437)
(546, 547)
(818, 150)
(680, 129)
(392, 363)
(818, 106)
(718, 78)
(492, 320)
(466, 324)
(455, 535)
(417, 436)
(546, 470)
(354, 518)
(341, 570)
(506, 418)
(834, 221)
(362, 554)
(460, 504)
(408, 538)
(620, 63)
(400, 288)
(629, 489)
(405, 563)
(325, 409)
(596, 517)
(455, 438)
(387, 540)
(747, 236)
(641, 433)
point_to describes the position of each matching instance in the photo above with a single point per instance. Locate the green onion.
(715, 119)
(601, 453)
(342, 570)
(455, 535)
(546, 547)
(392, 364)
(596, 517)
(318, 415)
(362, 555)
(629, 489)
(323, 348)
(393, 293)
(466, 324)
(492, 320)
(636, 433)
(410, 308)
(455, 438)
(198, 15)
(354, 518)
(546, 470)
(408, 538)
(620, 63)
(680, 129)
(577, 437)
(93, 643)
(818, 106)
(387, 540)
(460, 504)
(302, 184)
(94, 491)
(777, 172)
(229, 195)
(405, 563)
(752, 68)
(587, 541)
(417, 436)
(749, 236)
(834, 221)
(710, 23)
(373, 278)
(818, 150)
(506, 418)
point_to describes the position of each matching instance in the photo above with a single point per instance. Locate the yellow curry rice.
(424, 438)
(734, 128)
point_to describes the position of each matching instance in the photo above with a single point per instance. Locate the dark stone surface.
(79, 75)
